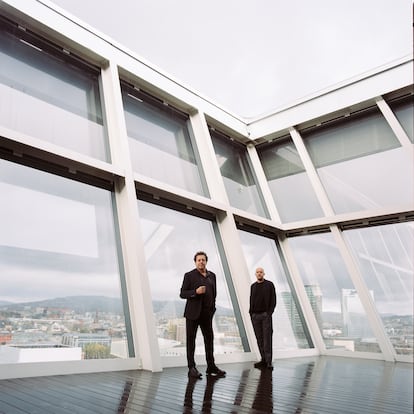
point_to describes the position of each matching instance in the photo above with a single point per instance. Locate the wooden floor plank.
(317, 385)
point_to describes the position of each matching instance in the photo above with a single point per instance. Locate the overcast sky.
(254, 56)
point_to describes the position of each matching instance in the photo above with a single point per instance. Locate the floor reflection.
(263, 400)
(304, 390)
(125, 396)
(208, 394)
(296, 385)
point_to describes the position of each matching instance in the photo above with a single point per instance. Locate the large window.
(49, 94)
(404, 111)
(362, 165)
(334, 300)
(289, 332)
(385, 255)
(160, 142)
(237, 174)
(60, 295)
(171, 239)
(290, 186)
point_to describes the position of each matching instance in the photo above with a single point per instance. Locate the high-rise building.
(355, 323)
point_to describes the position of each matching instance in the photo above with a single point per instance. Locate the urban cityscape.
(76, 328)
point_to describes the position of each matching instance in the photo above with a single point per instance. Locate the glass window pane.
(332, 295)
(404, 111)
(60, 296)
(237, 175)
(362, 165)
(288, 182)
(160, 145)
(171, 238)
(47, 97)
(385, 255)
(288, 323)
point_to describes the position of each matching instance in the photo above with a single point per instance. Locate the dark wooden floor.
(301, 385)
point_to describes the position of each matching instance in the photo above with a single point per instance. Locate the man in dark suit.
(199, 288)
(262, 306)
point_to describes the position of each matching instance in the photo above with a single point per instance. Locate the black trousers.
(263, 329)
(205, 322)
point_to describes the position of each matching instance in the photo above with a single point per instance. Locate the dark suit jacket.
(192, 280)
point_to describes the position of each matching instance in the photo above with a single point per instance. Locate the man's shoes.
(260, 364)
(215, 371)
(263, 365)
(193, 372)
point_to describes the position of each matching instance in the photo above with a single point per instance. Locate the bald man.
(262, 306)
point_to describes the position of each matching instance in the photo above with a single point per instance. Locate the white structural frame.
(117, 62)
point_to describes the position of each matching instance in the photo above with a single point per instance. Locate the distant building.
(82, 339)
(355, 323)
(5, 337)
(314, 294)
(293, 314)
(39, 353)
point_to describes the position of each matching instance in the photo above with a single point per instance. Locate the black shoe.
(193, 372)
(215, 371)
(260, 364)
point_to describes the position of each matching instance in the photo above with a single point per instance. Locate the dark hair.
(200, 254)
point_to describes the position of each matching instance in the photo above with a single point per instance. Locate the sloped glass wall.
(50, 94)
(289, 330)
(362, 165)
(171, 239)
(238, 177)
(404, 111)
(288, 182)
(160, 142)
(385, 256)
(60, 295)
(332, 295)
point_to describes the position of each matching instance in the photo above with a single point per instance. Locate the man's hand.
(201, 290)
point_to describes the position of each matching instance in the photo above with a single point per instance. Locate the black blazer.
(192, 280)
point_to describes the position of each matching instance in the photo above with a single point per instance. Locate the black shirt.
(262, 297)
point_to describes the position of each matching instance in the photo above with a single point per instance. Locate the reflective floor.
(316, 385)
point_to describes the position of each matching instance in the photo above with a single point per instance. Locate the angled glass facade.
(170, 237)
(93, 247)
(237, 173)
(404, 111)
(290, 327)
(384, 255)
(49, 93)
(160, 141)
(287, 179)
(361, 164)
(61, 277)
(338, 311)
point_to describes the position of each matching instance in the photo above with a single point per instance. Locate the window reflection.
(171, 239)
(237, 175)
(160, 143)
(60, 296)
(385, 258)
(404, 111)
(262, 252)
(288, 182)
(335, 302)
(49, 95)
(362, 165)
